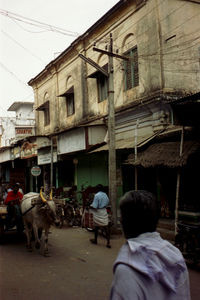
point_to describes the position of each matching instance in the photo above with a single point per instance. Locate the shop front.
(76, 166)
(168, 168)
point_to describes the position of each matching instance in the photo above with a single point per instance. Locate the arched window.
(69, 96)
(45, 109)
(130, 66)
(102, 80)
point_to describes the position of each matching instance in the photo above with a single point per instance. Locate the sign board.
(46, 158)
(35, 171)
(15, 152)
(72, 141)
(28, 150)
(24, 131)
(5, 155)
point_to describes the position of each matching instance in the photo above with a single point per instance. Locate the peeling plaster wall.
(70, 75)
(166, 34)
(180, 27)
(8, 130)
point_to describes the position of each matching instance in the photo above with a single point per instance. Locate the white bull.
(38, 218)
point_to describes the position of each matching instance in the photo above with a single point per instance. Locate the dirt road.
(76, 269)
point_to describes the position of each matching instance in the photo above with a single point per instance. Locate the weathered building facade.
(18, 150)
(155, 62)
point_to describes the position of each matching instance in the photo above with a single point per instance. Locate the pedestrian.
(147, 267)
(100, 214)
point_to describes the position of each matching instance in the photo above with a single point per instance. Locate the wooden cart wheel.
(1, 231)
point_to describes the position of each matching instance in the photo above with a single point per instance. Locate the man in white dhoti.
(100, 215)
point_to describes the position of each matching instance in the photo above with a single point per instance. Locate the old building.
(15, 149)
(155, 51)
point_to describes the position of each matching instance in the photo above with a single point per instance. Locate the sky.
(28, 42)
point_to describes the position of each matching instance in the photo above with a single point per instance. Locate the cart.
(15, 224)
(188, 236)
(3, 213)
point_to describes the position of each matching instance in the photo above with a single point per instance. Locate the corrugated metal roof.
(127, 143)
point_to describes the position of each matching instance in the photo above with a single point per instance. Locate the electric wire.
(148, 56)
(13, 74)
(36, 23)
(16, 42)
(29, 31)
(168, 33)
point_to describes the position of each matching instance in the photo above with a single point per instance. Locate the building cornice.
(108, 15)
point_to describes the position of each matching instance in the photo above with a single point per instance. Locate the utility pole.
(111, 136)
(111, 121)
(111, 130)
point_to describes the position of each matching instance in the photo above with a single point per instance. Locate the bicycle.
(188, 241)
(72, 212)
(68, 210)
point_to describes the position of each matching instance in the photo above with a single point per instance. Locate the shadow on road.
(12, 237)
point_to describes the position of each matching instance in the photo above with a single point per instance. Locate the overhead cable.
(39, 24)
(11, 38)
(11, 73)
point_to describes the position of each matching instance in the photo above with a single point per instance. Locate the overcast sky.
(26, 49)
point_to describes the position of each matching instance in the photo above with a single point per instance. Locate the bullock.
(39, 213)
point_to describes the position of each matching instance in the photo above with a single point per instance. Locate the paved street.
(76, 269)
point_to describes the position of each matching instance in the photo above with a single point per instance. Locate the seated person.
(13, 200)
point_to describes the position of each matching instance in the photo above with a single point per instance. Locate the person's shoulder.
(103, 193)
(122, 268)
(128, 281)
(98, 194)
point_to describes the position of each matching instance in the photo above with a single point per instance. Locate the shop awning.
(128, 143)
(165, 154)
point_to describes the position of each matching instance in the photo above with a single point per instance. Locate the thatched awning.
(165, 154)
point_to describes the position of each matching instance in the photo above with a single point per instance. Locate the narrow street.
(75, 269)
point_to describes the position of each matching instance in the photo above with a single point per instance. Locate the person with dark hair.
(100, 214)
(147, 267)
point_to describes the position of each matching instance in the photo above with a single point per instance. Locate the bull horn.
(42, 197)
(51, 195)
